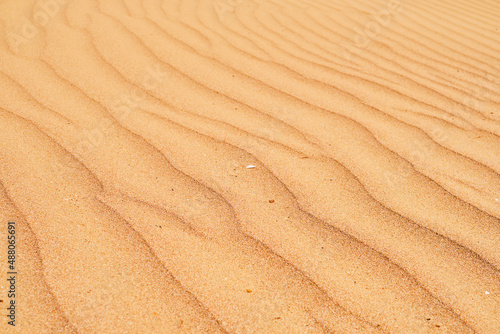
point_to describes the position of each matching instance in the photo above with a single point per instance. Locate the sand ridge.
(126, 132)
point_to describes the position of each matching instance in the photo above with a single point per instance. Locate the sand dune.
(248, 166)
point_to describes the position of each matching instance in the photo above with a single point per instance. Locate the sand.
(250, 166)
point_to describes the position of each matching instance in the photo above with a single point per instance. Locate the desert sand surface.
(250, 166)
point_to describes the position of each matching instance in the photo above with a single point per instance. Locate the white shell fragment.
(250, 166)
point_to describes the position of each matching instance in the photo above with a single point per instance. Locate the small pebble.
(487, 292)
(271, 201)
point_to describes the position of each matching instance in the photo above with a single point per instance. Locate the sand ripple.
(248, 166)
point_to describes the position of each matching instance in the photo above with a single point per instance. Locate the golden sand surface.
(250, 166)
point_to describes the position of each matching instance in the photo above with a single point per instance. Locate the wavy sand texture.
(251, 166)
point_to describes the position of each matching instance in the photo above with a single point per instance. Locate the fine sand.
(250, 166)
